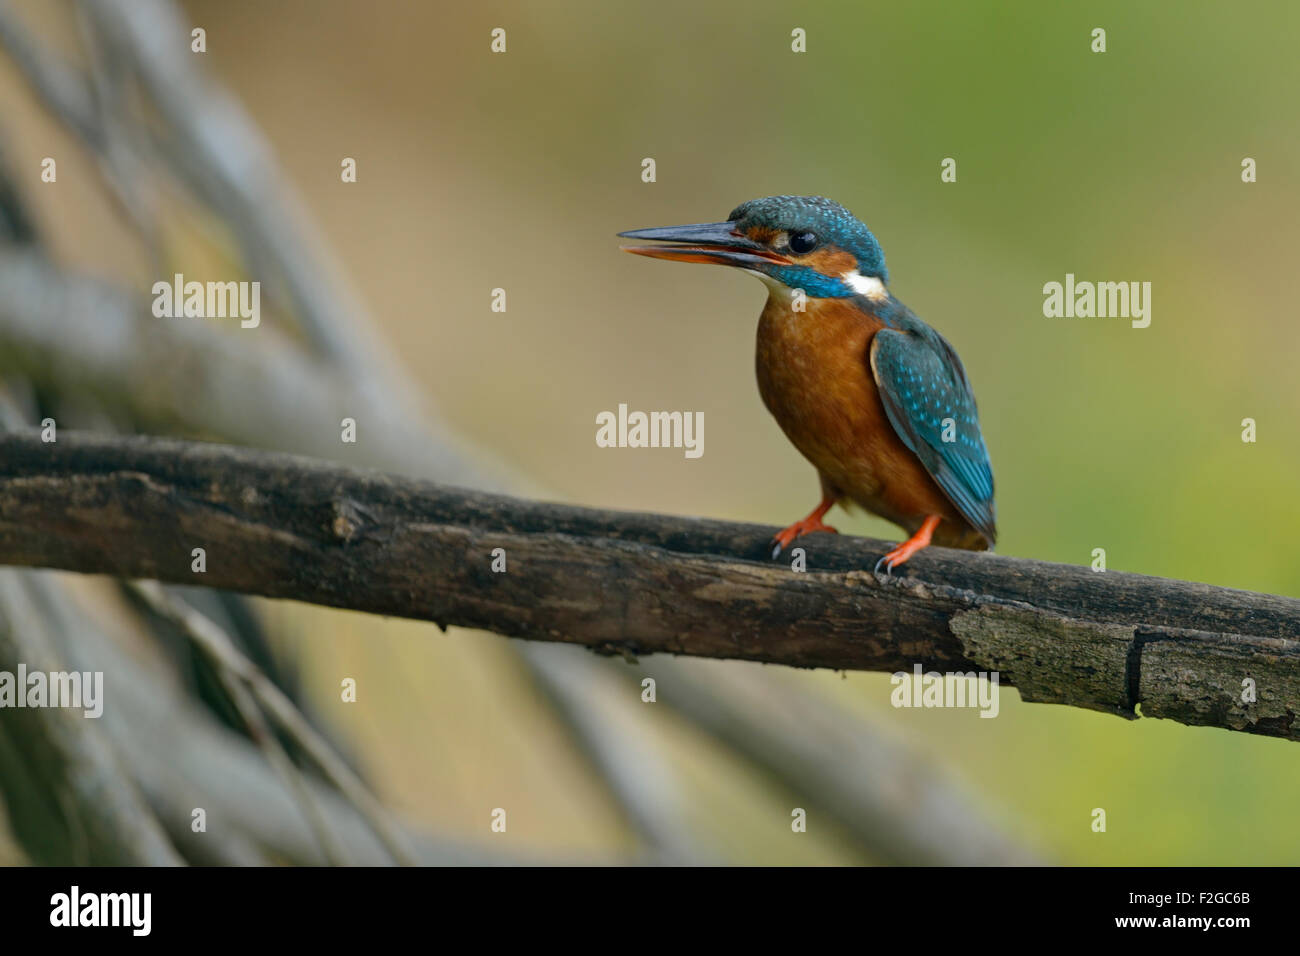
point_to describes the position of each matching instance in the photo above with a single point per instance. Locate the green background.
(479, 171)
(1117, 166)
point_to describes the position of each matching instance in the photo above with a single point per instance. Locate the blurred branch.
(280, 526)
(208, 638)
(62, 330)
(901, 808)
(595, 704)
(262, 693)
(72, 800)
(202, 380)
(213, 146)
(65, 91)
(183, 760)
(147, 105)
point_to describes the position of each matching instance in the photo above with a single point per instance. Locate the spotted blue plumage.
(816, 285)
(922, 382)
(831, 223)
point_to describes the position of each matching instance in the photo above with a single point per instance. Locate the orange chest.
(814, 375)
(813, 367)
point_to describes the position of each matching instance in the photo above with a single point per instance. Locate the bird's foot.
(909, 547)
(797, 530)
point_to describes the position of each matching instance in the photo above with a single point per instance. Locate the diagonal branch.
(263, 693)
(286, 527)
(817, 753)
(67, 788)
(135, 110)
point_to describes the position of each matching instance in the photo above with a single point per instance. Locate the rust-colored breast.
(815, 378)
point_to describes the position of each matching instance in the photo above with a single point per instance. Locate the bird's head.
(800, 242)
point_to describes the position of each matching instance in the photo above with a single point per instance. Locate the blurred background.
(514, 170)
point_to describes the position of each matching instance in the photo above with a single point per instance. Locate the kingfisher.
(873, 397)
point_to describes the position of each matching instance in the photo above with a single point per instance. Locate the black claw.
(776, 552)
(889, 567)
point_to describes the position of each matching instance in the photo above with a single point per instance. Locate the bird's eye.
(803, 242)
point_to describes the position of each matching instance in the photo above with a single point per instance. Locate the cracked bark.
(286, 527)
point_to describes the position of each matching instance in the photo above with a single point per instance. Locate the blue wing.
(922, 383)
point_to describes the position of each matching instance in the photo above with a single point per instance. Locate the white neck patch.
(870, 286)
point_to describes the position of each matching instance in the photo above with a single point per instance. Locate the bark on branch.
(286, 527)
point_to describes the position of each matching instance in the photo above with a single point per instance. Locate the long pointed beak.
(711, 242)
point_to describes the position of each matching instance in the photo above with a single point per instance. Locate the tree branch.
(134, 108)
(66, 787)
(181, 760)
(286, 527)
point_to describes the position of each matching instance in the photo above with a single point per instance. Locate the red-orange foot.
(800, 528)
(909, 547)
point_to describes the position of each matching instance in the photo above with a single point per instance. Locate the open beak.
(712, 242)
